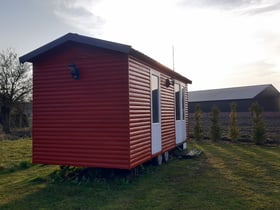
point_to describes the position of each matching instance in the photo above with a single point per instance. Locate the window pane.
(177, 101)
(183, 102)
(155, 99)
(155, 82)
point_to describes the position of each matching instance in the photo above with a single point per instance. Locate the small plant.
(24, 165)
(258, 126)
(233, 129)
(215, 131)
(198, 131)
(79, 175)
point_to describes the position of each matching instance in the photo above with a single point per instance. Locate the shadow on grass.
(61, 196)
(78, 188)
(180, 184)
(21, 166)
(208, 182)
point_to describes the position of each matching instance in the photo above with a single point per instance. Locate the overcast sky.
(217, 43)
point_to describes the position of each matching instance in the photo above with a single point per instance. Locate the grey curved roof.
(127, 49)
(235, 93)
(79, 39)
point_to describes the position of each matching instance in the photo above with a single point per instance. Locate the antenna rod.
(173, 57)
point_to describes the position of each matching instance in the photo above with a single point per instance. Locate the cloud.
(250, 7)
(259, 72)
(77, 13)
(223, 4)
(237, 40)
(261, 8)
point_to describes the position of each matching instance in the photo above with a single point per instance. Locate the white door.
(155, 113)
(180, 113)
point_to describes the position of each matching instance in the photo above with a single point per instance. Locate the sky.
(217, 43)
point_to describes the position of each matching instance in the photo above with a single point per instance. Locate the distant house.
(266, 95)
(21, 115)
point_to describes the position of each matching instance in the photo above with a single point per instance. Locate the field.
(225, 176)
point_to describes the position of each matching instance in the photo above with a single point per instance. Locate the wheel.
(166, 156)
(158, 160)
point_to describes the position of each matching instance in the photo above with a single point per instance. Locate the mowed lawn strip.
(225, 176)
(253, 171)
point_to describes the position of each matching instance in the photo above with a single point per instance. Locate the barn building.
(103, 104)
(266, 95)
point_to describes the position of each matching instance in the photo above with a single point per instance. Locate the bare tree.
(15, 85)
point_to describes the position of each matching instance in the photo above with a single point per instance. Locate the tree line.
(233, 131)
(15, 86)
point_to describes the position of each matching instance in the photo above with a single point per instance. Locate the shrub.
(215, 131)
(79, 175)
(24, 165)
(198, 131)
(233, 129)
(258, 126)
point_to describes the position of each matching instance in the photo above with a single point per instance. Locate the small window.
(177, 101)
(155, 99)
(183, 102)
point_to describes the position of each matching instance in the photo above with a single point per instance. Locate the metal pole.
(173, 57)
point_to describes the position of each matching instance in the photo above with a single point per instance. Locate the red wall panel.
(81, 122)
(167, 115)
(139, 113)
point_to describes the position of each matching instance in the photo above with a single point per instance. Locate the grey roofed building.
(266, 95)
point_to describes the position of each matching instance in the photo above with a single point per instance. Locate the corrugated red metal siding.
(167, 115)
(81, 122)
(139, 113)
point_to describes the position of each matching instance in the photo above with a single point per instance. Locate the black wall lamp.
(169, 82)
(74, 71)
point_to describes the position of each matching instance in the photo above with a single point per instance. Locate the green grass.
(225, 176)
(15, 152)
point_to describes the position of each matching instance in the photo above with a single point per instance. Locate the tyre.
(158, 160)
(166, 156)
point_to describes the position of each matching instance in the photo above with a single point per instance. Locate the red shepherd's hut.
(103, 104)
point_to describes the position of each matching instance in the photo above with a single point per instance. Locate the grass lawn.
(225, 176)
